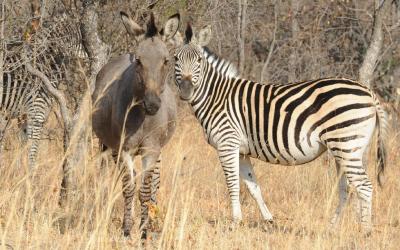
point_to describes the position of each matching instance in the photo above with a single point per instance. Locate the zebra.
(289, 124)
(48, 50)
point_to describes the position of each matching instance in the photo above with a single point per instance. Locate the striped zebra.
(283, 124)
(47, 49)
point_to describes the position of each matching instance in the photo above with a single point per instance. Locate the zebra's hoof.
(234, 225)
(335, 221)
(367, 231)
(368, 234)
(268, 226)
(270, 221)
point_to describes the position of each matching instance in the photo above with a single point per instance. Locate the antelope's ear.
(204, 36)
(131, 26)
(171, 27)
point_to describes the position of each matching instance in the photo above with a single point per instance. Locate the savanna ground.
(312, 39)
(194, 210)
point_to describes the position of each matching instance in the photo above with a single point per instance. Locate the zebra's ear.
(175, 41)
(204, 36)
(171, 27)
(188, 33)
(131, 26)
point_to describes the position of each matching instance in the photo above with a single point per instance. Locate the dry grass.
(194, 210)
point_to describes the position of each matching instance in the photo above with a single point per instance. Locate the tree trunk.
(265, 76)
(295, 31)
(374, 50)
(2, 42)
(94, 46)
(3, 123)
(80, 127)
(241, 33)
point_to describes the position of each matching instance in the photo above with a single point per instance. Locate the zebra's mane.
(221, 65)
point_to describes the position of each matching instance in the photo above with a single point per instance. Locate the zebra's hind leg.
(34, 130)
(352, 168)
(128, 191)
(343, 196)
(148, 189)
(4, 122)
(249, 178)
(37, 116)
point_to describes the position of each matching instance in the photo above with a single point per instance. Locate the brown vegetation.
(331, 38)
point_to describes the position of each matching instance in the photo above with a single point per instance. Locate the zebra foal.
(283, 124)
(48, 49)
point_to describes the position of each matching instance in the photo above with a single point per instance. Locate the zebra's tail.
(382, 123)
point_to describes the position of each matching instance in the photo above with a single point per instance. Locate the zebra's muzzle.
(186, 89)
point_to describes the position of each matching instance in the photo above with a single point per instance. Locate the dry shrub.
(194, 209)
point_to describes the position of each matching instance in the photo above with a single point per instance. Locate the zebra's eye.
(166, 61)
(199, 60)
(176, 58)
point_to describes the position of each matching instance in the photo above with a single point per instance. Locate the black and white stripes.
(47, 50)
(285, 124)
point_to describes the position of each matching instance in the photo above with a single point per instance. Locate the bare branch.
(151, 3)
(271, 47)
(54, 92)
(2, 42)
(395, 26)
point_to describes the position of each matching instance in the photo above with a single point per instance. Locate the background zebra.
(47, 48)
(284, 124)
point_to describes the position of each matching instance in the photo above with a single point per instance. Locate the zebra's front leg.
(249, 178)
(128, 191)
(229, 158)
(149, 187)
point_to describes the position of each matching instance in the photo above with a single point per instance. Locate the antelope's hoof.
(143, 235)
(127, 233)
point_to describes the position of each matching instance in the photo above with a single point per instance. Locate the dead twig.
(271, 47)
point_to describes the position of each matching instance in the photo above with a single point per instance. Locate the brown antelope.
(135, 110)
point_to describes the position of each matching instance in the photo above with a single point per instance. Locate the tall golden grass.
(193, 205)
